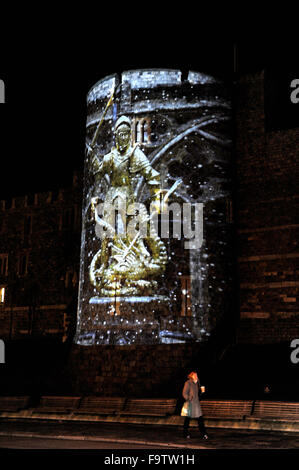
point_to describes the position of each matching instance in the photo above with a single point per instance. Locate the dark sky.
(43, 121)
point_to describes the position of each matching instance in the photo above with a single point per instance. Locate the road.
(30, 443)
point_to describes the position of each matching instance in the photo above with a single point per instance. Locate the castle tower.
(179, 150)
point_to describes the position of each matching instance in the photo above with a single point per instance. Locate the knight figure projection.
(131, 255)
(156, 244)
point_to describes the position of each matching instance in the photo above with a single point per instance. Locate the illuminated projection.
(156, 231)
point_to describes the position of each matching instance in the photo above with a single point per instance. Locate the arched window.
(142, 130)
(137, 132)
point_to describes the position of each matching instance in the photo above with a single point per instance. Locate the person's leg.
(186, 426)
(201, 427)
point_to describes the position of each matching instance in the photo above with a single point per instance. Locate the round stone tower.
(171, 283)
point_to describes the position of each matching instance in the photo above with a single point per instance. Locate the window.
(114, 308)
(23, 264)
(137, 132)
(2, 225)
(2, 295)
(3, 264)
(144, 132)
(70, 278)
(28, 225)
(141, 129)
(67, 219)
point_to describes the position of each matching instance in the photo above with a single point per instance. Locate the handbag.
(186, 410)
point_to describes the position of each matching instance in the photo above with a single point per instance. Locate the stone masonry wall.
(267, 204)
(39, 237)
(135, 371)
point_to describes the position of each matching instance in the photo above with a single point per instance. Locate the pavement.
(82, 445)
(125, 435)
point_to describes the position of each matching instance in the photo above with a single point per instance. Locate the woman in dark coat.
(191, 392)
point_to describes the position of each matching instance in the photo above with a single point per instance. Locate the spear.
(93, 142)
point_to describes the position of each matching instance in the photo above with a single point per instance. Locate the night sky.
(43, 121)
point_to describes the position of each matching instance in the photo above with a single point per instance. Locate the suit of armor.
(127, 262)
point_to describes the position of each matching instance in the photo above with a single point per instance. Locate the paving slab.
(162, 436)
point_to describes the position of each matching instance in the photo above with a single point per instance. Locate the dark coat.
(191, 393)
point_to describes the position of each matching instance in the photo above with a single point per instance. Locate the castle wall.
(267, 201)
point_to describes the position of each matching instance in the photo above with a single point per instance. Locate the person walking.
(191, 393)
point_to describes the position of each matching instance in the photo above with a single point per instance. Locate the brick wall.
(157, 370)
(267, 203)
(40, 236)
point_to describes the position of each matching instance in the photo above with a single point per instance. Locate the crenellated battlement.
(146, 78)
(61, 195)
(139, 92)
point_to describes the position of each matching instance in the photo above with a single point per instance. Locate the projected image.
(131, 255)
(156, 235)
